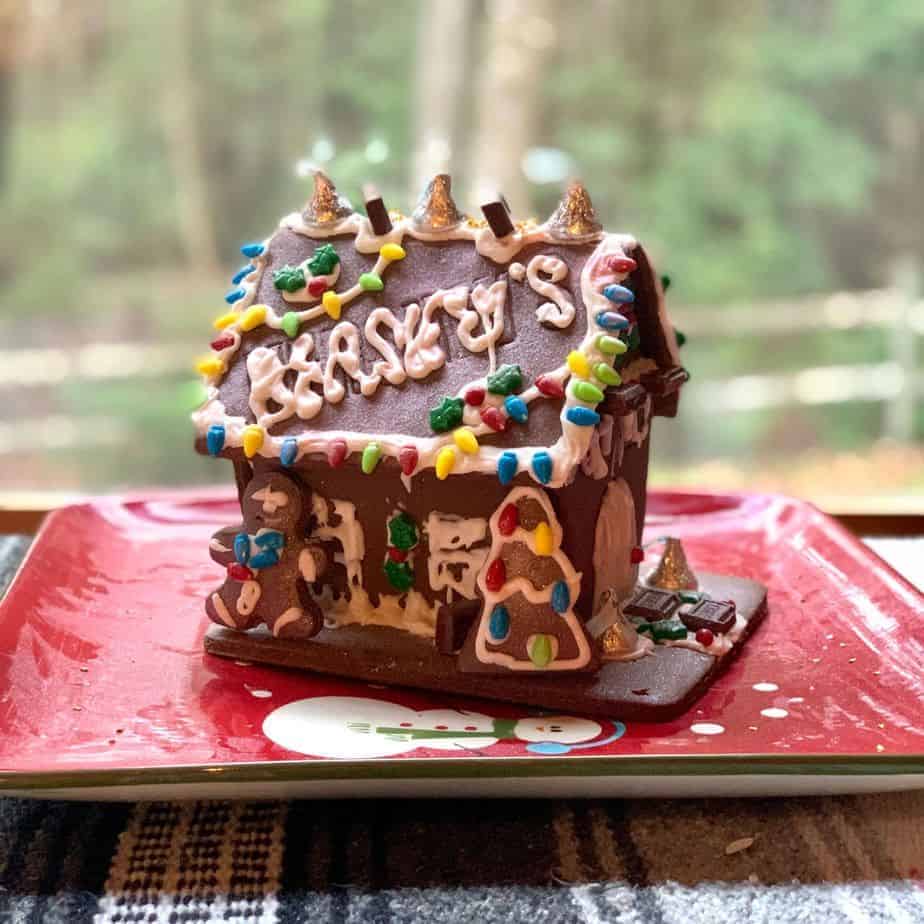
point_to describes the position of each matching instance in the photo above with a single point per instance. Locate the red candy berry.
(317, 287)
(705, 637)
(397, 554)
(508, 520)
(474, 397)
(637, 555)
(616, 264)
(222, 343)
(551, 388)
(407, 459)
(496, 575)
(238, 572)
(494, 418)
(336, 453)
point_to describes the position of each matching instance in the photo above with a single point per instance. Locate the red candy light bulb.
(508, 520)
(496, 575)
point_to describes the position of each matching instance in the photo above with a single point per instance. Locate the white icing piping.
(454, 541)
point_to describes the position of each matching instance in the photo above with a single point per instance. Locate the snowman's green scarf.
(500, 728)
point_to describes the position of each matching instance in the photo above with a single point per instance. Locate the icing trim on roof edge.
(564, 455)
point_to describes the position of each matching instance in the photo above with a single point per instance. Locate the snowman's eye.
(555, 729)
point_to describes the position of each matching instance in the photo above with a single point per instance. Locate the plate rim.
(400, 769)
(526, 767)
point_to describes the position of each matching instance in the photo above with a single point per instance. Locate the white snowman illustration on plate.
(353, 728)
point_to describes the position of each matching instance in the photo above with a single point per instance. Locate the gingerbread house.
(439, 429)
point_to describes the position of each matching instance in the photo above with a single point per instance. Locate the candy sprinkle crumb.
(737, 846)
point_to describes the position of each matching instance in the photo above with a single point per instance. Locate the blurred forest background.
(769, 153)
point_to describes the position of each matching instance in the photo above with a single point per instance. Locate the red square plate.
(105, 691)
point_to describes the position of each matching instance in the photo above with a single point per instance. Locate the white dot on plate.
(707, 728)
(774, 713)
(765, 687)
(797, 699)
(261, 694)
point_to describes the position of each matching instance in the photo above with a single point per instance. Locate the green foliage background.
(768, 148)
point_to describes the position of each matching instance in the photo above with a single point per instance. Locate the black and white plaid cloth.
(858, 860)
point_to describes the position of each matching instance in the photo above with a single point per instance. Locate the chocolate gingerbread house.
(439, 428)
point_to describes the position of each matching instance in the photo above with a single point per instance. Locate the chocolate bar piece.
(653, 605)
(624, 399)
(453, 622)
(375, 209)
(718, 616)
(665, 381)
(497, 214)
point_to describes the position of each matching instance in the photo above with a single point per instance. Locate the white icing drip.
(613, 541)
(271, 500)
(410, 612)
(633, 428)
(308, 566)
(248, 598)
(347, 532)
(451, 539)
(517, 272)
(559, 310)
(292, 614)
(596, 464)
(222, 611)
(524, 586)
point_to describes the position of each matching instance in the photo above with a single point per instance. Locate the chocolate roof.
(279, 389)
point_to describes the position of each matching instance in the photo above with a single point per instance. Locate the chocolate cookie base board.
(656, 688)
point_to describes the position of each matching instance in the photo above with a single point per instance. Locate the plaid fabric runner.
(838, 859)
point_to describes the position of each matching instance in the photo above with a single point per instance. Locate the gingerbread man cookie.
(270, 562)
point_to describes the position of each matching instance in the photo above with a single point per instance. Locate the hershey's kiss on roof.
(575, 218)
(326, 206)
(436, 211)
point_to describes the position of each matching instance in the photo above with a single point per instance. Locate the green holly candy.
(402, 532)
(323, 260)
(400, 575)
(447, 416)
(289, 278)
(507, 380)
(671, 629)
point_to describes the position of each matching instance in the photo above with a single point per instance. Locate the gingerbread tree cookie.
(529, 587)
